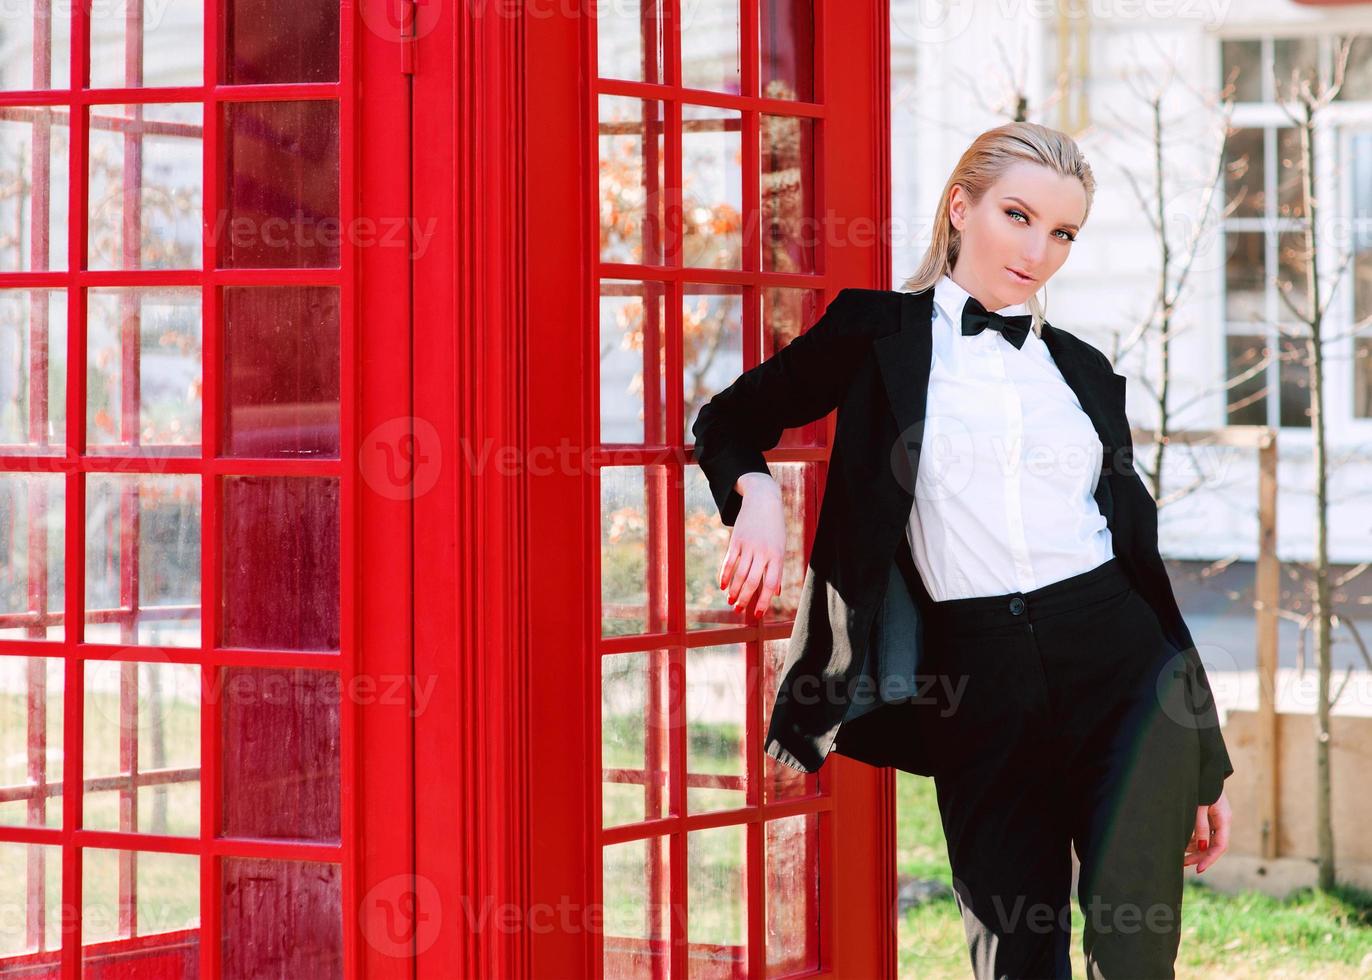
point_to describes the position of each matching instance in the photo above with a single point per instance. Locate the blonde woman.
(985, 602)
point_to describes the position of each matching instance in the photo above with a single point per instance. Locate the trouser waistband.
(1015, 608)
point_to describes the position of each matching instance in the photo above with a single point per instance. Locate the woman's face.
(1023, 226)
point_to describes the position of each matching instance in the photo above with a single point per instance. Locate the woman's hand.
(1210, 839)
(752, 564)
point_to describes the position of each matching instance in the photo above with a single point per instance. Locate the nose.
(1034, 256)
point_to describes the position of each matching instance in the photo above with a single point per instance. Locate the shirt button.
(1017, 605)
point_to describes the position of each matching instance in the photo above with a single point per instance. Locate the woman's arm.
(1156, 585)
(801, 382)
(1215, 766)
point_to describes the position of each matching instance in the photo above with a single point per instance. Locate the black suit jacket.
(858, 637)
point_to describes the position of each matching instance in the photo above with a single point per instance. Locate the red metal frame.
(509, 553)
(376, 776)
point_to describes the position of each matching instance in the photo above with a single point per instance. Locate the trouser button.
(1017, 605)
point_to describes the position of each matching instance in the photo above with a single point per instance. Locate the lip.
(1019, 274)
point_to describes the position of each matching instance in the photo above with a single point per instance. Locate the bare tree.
(1180, 239)
(1303, 98)
(1316, 600)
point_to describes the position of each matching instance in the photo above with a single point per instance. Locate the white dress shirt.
(1008, 467)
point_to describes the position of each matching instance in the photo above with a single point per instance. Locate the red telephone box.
(205, 758)
(357, 583)
(650, 199)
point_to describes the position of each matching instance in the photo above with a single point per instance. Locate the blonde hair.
(981, 165)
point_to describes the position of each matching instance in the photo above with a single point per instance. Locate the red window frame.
(523, 740)
(375, 776)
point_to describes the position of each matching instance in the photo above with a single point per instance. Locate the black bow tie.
(976, 318)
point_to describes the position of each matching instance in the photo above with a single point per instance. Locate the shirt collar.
(951, 298)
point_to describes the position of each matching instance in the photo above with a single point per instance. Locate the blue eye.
(1070, 237)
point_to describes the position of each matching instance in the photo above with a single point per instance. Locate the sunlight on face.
(1025, 223)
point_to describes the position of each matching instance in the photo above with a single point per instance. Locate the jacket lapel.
(1101, 393)
(905, 357)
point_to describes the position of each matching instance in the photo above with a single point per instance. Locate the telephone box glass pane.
(635, 717)
(793, 878)
(32, 556)
(281, 553)
(33, 380)
(35, 47)
(281, 371)
(145, 176)
(711, 187)
(716, 722)
(633, 357)
(709, 33)
(142, 748)
(717, 902)
(280, 753)
(281, 185)
(146, 906)
(630, 43)
(31, 882)
(134, 44)
(32, 753)
(281, 919)
(267, 42)
(144, 351)
(632, 142)
(790, 230)
(712, 346)
(35, 148)
(788, 49)
(638, 920)
(143, 559)
(633, 549)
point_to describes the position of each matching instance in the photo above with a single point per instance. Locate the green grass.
(1249, 935)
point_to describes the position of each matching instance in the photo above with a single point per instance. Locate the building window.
(1264, 248)
(1360, 178)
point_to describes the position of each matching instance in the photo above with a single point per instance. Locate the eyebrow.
(1034, 214)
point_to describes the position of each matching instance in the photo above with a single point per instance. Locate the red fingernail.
(1204, 844)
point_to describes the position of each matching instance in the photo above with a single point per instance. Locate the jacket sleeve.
(803, 381)
(1215, 765)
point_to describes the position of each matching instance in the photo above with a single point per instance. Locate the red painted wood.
(853, 848)
(475, 540)
(387, 911)
(163, 956)
(342, 903)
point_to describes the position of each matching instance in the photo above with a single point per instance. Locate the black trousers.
(1063, 713)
